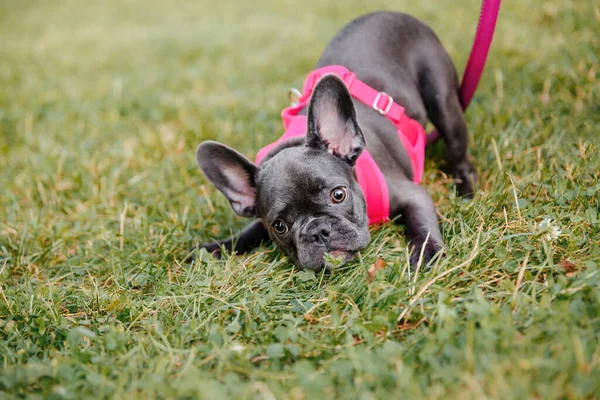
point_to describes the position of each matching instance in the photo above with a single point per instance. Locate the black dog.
(305, 193)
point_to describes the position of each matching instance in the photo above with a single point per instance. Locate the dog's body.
(299, 183)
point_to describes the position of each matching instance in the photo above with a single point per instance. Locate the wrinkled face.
(312, 205)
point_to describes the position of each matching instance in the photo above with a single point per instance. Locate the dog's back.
(397, 54)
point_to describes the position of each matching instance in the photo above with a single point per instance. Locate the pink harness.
(371, 180)
(410, 132)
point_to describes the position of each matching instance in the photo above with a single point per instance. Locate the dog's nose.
(319, 232)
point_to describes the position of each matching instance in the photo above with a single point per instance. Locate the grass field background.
(102, 105)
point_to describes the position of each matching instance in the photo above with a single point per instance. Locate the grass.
(101, 108)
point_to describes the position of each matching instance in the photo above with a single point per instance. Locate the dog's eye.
(338, 194)
(279, 227)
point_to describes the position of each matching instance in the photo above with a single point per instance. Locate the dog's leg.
(416, 210)
(247, 239)
(445, 112)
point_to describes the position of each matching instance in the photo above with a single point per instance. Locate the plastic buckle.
(294, 96)
(385, 110)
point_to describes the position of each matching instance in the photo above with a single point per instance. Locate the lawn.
(102, 105)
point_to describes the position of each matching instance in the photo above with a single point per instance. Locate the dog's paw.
(466, 179)
(213, 248)
(426, 252)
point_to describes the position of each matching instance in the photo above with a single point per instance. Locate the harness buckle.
(294, 96)
(385, 110)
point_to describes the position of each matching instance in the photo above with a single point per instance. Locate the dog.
(305, 193)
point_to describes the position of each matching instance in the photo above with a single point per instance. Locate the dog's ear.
(332, 123)
(231, 173)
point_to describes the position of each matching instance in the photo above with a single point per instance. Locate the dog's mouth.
(331, 254)
(338, 253)
(335, 258)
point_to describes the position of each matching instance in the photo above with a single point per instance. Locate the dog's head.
(307, 196)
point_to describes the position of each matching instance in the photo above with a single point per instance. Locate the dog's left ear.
(332, 123)
(231, 173)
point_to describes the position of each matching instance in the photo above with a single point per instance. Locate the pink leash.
(478, 56)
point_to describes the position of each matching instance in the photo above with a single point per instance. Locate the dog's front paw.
(213, 248)
(426, 252)
(466, 179)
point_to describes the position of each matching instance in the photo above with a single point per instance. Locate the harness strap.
(369, 175)
(410, 132)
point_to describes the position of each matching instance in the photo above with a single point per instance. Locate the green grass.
(101, 109)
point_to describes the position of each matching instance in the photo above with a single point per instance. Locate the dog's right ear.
(332, 122)
(231, 173)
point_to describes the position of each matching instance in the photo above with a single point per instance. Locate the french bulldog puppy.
(304, 195)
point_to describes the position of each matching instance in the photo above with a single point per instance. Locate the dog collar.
(370, 178)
